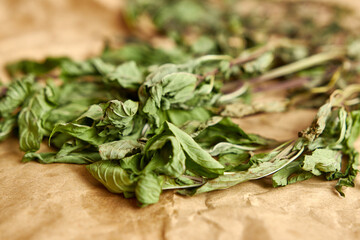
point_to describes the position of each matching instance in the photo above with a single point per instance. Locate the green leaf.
(225, 147)
(120, 115)
(343, 125)
(74, 145)
(178, 87)
(148, 189)
(167, 87)
(51, 92)
(82, 132)
(322, 160)
(15, 95)
(94, 112)
(264, 165)
(74, 158)
(195, 153)
(355, 129)
(167, 156)
(112, 176)
(347, 177)
(144, 54)
(291, 173)
(127, 75)
(203, 45)
(119, 149)
(72, 69)
(178, 116)
(35, 67)
(182, 182)
(261, 64)
(82, 92)
(254, 172)
(30, 131)
(132, 163)
(64, 114)
(225, 130)
(102, 67)
(6, 127)
(31, 121)
(238, 161)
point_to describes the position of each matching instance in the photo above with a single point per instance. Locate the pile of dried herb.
(155, 113)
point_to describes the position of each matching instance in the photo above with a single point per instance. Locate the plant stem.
(237, 61)
(302, 64)
(292, 83)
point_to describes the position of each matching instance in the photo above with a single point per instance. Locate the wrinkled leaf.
(292, 173)
(74, 158)
(119, 149)
(112, 176)
(148, 189)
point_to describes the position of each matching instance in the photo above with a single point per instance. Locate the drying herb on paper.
(145, 119)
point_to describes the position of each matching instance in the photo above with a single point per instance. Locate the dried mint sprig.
(146, 119)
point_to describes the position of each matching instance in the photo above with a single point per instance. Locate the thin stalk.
(290, 84)
(302, 64)
(287, 163)
(294, 67)
(237, 61)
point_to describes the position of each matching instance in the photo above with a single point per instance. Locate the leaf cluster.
(144, 119)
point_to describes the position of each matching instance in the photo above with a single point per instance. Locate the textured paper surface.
(62, 201)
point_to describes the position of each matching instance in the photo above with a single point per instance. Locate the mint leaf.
(322, 160)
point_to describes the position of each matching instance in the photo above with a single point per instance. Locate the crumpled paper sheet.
(62, 201)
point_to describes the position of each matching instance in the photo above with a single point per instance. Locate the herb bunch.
(146, 119)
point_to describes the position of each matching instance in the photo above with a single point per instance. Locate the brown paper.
(62, 201)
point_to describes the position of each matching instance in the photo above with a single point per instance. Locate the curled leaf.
(112, 176)
(119, 149)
